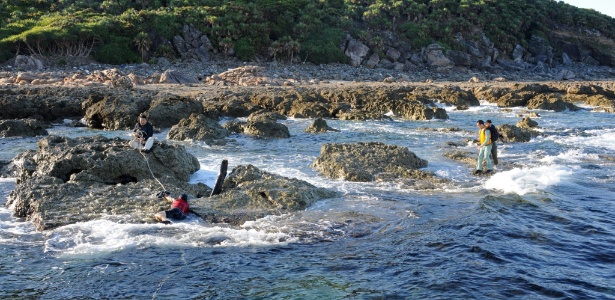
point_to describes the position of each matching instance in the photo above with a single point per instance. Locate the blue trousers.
(483, 154)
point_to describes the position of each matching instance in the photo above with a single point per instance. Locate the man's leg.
(487, 157)
(481, 158)
(494, 153)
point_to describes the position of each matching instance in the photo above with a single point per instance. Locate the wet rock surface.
(513, 133)
(249, 193)
(74, 180)
(372, 162)
(319, 126)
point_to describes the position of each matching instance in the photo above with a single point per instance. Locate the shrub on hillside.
(324, 47)
(116, 52)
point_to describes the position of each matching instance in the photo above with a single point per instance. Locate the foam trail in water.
(104, 236)
(570, 156)
(527, 180)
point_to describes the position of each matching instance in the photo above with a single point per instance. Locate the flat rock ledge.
(374, 161)
(23, 128)
(249, 194)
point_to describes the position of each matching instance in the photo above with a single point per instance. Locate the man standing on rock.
(143, 131)
(484, 149)
(494, 138)
(179, 208)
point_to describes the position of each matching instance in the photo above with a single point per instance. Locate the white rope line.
(150, 169)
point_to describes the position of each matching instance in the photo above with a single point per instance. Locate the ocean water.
(542, 227)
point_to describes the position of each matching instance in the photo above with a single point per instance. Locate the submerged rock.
(249, 193)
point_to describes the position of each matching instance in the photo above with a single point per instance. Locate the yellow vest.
(482, 137)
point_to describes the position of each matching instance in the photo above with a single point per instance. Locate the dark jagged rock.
(167, 110)
(512, 133)
(116, 110)
(121, 108)
(199, 128)
(23, 128)
(266, 129)
(74, 180)
(528, 123)
(48, 103)
(319, 126)
(551, 102)
(249, 193)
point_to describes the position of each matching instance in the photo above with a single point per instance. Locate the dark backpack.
(494, 133)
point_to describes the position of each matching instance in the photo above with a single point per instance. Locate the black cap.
(184, 197)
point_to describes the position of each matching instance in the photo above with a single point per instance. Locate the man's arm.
(487, 137)
(149, 131)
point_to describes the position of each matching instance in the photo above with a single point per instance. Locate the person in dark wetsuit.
(494, 147)
(179, 208)
(143, 130)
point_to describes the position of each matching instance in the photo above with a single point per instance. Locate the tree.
(143, 43)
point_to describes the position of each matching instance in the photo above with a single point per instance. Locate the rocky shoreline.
(63, 173)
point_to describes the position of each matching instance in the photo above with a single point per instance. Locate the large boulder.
(512, 133)
(435, 58)
(167, 110)
(177, 77)
(356, 51)
(528, 123)
(24, 62)
(199, 128)
(75, 180)
(249, 193)
(418, 111)
(266, 129)
(22, 128)
(369, 162)
(116, 110)
(119, 109)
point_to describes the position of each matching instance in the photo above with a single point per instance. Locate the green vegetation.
(124, 31)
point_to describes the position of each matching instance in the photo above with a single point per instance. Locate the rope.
(150, 169)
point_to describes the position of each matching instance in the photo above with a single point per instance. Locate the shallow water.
(542, 227)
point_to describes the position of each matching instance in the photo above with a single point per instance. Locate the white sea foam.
(570, 156)
(528, 180)
(104, 236)
(591, 138)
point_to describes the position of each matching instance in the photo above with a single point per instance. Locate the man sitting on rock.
(143, 131)
(179, 208)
